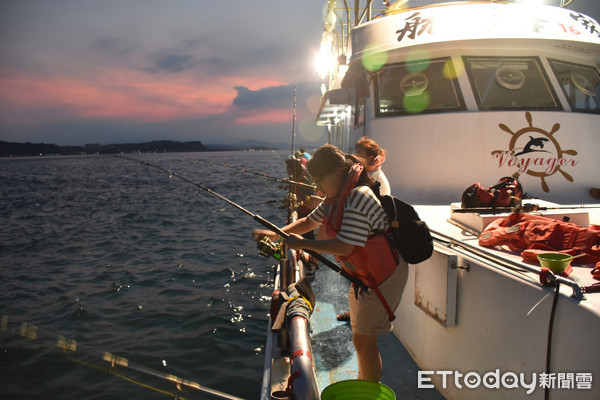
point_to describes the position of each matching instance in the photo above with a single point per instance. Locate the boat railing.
(498, 261)
(289, 346)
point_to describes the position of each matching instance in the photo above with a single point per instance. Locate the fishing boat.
(460, 93)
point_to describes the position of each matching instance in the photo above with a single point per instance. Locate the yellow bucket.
(357, 389)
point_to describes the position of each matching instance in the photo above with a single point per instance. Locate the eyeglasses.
(319, 180)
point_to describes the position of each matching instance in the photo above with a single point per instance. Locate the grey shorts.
(367, 315)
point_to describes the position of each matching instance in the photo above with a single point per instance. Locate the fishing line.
(109, 363)
(263, 202)
(281, 180)
(256, 217)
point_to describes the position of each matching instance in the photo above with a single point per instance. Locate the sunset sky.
(114, 71)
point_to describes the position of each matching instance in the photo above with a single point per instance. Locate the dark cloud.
(215, 65)
(271, 97)
(276, 97)
(175, 62)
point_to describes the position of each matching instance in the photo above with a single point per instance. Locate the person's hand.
(295, 242)
(314, 202)
(258, 234)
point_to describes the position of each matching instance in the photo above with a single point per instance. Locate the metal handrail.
(489, 255)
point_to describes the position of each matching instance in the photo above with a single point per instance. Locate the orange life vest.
(532, 234)
(376, 261)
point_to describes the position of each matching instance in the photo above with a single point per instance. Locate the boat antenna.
(256, 217)
(293, 124)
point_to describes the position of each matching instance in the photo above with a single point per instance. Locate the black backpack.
(407, 233)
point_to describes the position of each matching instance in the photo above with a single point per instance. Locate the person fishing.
(305, 194)
(353, 222)
(302, 155)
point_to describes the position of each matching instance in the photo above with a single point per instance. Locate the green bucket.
(357, 389)
(557, 262)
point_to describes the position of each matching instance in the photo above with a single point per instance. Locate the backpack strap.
(382, 299)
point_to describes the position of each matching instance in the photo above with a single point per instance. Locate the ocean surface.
(102, 254)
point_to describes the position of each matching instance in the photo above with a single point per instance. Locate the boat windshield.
(580, 84)
(510, 83)
(417, 87)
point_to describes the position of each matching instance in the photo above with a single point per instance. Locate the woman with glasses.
(354, 224)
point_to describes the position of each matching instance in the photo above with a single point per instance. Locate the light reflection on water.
(124, 259)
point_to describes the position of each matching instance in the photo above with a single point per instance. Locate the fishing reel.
(293, 200)
(266, 248)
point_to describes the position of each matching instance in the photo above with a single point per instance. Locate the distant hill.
(159, 146)
(8, 149)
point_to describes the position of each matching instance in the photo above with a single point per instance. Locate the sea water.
(104, 255)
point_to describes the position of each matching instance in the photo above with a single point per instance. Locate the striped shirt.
(363, 215)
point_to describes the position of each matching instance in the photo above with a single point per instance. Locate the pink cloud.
(118, 94)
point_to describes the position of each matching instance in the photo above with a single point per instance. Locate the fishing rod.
(293, 124)
(257, 218)
(291, 200)
(107, 362)
(529, 207)
(281, 180)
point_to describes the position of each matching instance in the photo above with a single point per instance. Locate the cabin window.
(417, 87)
(581, 85)
(510, 83)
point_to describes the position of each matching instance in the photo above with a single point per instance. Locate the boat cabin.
(469, 92)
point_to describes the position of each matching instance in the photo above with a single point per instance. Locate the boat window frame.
(570, 97)
(360, 112)
(454, 85)
(543, 76)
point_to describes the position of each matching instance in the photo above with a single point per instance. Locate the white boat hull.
(499, 330)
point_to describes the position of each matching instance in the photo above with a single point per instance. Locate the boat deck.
(334, 355)
(440, 219)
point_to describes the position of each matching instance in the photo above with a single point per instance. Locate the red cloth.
(534, 234)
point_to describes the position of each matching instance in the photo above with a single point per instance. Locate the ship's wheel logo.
(536, 152)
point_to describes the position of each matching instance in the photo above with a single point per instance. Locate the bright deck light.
(324, 58)
(532, 2)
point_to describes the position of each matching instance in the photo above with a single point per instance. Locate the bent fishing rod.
(280, 180)
(257, 218)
